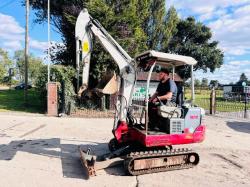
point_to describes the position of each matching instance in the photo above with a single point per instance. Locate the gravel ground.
(43, 151)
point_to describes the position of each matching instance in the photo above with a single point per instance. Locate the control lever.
(161, 103)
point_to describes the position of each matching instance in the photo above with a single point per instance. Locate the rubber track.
(155, 154)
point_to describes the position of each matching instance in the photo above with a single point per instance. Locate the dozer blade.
(108, 84)
(88, 162)
(92, 163)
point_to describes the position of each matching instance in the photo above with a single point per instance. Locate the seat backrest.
(180, 96)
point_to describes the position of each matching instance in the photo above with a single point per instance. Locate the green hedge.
(64, 75)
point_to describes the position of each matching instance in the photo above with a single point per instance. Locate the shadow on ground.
(68, 153)
(239, 126)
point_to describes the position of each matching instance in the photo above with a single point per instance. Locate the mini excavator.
(142, 150)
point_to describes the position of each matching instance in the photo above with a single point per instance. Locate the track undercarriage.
(142, 161)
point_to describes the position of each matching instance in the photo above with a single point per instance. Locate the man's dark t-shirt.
(168, 86)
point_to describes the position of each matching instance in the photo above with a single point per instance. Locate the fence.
(96, 107)
(234, 104)
(104, 107)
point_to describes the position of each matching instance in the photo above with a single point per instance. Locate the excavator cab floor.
(154, 131)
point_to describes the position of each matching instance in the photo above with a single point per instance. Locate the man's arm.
(167, 96)
(153, 97)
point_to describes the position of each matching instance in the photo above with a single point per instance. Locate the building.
(235, 92)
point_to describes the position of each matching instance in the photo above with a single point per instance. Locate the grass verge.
(202, 99)
(13, 100)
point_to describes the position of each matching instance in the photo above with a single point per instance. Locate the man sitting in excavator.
(166, 93)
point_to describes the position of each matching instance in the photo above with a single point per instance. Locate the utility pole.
(48, 41)
(26, 53)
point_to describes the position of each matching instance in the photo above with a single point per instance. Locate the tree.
(127, 21)
(5, 64)
(204, 82)
(155, 24)
(197, 83)
(137, 25)
(243, 78)
(171, 22)
(61, 11)
(121, 21)
(35, 65)
(214, 83)
(194, 39)
(187, 83)
(117, 17)
(2, 71)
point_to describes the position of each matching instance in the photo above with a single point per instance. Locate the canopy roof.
(165, 59)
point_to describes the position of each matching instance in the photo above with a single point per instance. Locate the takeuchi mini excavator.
(141, 149)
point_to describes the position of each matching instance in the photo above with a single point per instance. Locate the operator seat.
(180, 99)
(180, 95)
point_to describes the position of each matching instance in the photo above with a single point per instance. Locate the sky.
(12, 30)
(229, 21)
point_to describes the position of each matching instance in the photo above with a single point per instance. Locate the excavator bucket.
(81, 90)
(108, 84)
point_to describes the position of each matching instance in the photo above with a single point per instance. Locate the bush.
(8, 81)
(64, 76)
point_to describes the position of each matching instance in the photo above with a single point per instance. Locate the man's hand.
(154, 100)
(151, 99)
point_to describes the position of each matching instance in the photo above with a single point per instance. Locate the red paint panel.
(168, 139)
(121, 130)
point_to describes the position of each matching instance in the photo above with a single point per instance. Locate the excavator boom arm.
(87, 28)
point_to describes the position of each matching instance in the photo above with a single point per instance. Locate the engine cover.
(176, 125)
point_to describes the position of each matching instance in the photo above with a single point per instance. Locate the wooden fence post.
(103, 103)
(213, 102)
